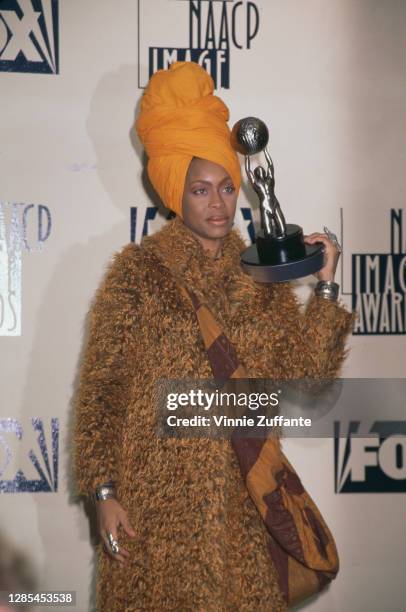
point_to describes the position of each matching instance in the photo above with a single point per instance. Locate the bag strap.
(221, 352)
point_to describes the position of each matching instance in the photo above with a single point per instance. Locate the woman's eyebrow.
(226, 178)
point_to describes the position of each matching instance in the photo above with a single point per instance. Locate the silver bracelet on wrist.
(327, 289)
(105, 491)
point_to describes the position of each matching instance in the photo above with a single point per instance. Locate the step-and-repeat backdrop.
(328, 78)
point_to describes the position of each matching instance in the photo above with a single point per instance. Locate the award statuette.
(279, 252)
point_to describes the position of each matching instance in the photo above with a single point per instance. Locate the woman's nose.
(217, 201)
(215, 204)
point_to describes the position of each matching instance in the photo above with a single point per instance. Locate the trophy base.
(281, 250)
(281, 259)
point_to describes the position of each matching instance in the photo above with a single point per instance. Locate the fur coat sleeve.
(105, 375)
(312, 342)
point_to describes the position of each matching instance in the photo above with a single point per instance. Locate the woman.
(179, 530)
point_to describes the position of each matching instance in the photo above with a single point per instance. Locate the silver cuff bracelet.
(327, 289)
(106, 491)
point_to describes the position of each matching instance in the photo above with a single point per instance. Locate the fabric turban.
(180, 118)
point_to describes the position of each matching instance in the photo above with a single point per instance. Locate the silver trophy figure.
(279, 252)
(263, 182)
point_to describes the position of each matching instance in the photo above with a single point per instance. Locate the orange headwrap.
(180, 118)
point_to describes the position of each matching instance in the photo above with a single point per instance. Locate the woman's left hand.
(331, 255)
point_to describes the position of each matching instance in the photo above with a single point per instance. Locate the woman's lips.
(217, 220)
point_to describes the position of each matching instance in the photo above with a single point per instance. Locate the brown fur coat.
(200, 543)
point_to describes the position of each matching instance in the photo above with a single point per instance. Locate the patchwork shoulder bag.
(300, 543)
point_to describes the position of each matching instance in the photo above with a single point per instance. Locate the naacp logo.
(379, 285)
(375, 464)
(29, 40)
(23, 227)
(215, 27)
(29, 455)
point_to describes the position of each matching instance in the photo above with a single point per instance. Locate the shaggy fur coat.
(200, 542)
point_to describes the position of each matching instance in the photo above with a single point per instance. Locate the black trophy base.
(272, 260)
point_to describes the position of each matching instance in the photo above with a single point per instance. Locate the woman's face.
(209, 200)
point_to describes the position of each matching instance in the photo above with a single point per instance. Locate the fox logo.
(29, 40)
(375, 464)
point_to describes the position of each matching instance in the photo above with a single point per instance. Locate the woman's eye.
(230, 188)
(199, 191)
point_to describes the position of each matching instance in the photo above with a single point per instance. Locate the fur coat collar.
(221, 283)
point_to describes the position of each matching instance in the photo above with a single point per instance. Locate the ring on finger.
(113, 544)
(333, 238)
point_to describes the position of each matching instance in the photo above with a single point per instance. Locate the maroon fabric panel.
(321, 536)
(222, 357)
(291, 481)
(246, 449)
(281, 525)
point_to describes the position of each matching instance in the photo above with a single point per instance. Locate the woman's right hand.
(110, 514)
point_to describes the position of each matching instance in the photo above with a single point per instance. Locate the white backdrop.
(329, 80)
